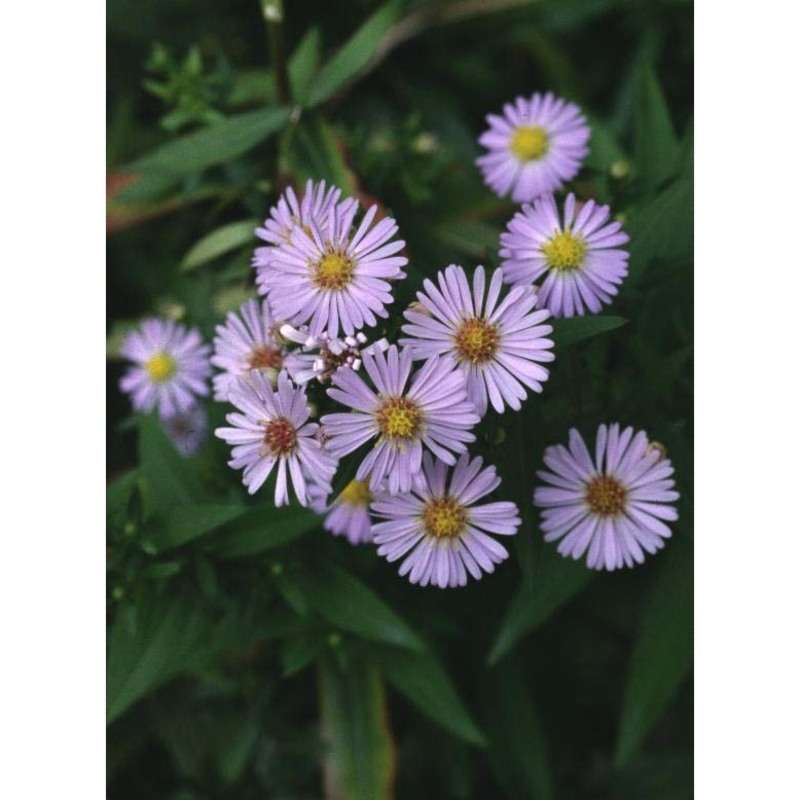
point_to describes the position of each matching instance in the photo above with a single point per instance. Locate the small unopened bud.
(620, 169)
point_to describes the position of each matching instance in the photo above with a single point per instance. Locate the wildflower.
(332, 277)
(188, 430)
(432, 412)
(244, 343)
(272, 429)
(439, 526)
(290, 213)
(348, 515)
(170, 367)
(322, 356)
(613, 506)
(535, 147)
(498, 346)
(579, 256)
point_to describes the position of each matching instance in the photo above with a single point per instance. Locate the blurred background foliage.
(250, 653)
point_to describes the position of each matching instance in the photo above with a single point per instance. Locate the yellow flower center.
(264, 357)
(606, 496)
(476, 340)
(333, 271)
(564, 251)
(399, 418)
(160, 367)
(443, 518)
(529, 143)
(280, 437)
(356, 493)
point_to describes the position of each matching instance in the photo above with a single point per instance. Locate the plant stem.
(273, 14)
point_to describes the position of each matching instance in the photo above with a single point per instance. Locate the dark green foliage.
(250, 653)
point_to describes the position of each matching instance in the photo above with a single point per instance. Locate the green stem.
(273, 14)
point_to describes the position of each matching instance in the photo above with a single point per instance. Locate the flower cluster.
(534, 149)
(403, 415)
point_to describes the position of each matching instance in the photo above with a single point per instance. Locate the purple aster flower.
(322, 356)
(289, 213)
(244, 343)
(188, 430)
(535, 147)
(348, 515)
(498, 346)
(271, 429)
(431, 411)
(612, 506)
(333, 277)
(579, 256)
(170, 367)
(439, 523)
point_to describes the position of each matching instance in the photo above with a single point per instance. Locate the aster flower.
(290, 213)
(244, 343)
(187, 430)
(170, 367)
(348, 515)
(535, 147)
(322, 356)
(579, 256)
(332, 278)
(431, 411)
(439, 526)
(271, 429)
(613, 506)
(499, 347)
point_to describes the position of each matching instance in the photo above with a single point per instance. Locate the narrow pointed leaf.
(220, 241)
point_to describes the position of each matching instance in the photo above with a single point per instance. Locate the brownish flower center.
(606, 496)
(333, 271)
(280, 437)
(443, 518)
(399, 418)
(476, 340)
(265, 357)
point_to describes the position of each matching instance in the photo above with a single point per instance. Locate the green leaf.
(571, 330)
(517, 746)
(263, 529)
(655, 146)
(311, 150)
(300, 651)
(216, 144)
(219, 242)
(552, 581)
(118, 493)
(604, 150)
(662, 658)
(662, 229)
(422, 680)
(181, 525)
(170, 478)
(359, 762)
(167, 637)
(346, 603)
(473, 237)
(303, 64)
(354, 55)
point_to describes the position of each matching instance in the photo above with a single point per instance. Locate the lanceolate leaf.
(576, 329)
(263, 529)
(552, 582)
(663, 655)
(166, 637)
(213, 145)
(180, 525)
(303, 64)
(220, 241)
(420, 677)
(518, 750)
(354, 55)
(655, 145)
(347, 603)
(359, 762)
